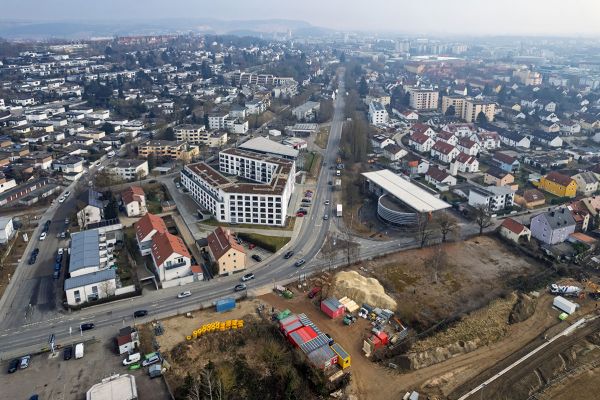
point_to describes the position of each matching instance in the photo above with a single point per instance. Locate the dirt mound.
(523, 309)
(477, 329)
(362, 290)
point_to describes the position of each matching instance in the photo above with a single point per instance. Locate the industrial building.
(401, 202)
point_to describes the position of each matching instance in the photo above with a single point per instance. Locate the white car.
(60, 250)
(132, 358)
(67, 194)
(326, 202)
(181, 295)
(43, 236)
(61, 199)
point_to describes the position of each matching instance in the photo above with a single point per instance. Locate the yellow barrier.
(216, 326)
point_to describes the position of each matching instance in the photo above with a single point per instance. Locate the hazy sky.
(504, 17)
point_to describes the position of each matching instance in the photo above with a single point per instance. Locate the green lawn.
(271, 243)
(291, 221)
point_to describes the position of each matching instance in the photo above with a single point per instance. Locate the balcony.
(174, 266)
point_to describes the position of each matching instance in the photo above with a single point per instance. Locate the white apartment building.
(423, 99)
(377, 113)
(264, 202)
(495, 198)
(467, 108)
(197, 134)
(128, 170)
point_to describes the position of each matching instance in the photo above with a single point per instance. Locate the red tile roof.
(464, 158)
(419, 128)
(132, 193)
(442, 147)
(467, 143)
(532, 195)
(559, 178)
(505, 158)
(147, 224)
(437, 174)
(445, 135)
(220, 242)
(165, 244)
(513, 225)
(419, 138)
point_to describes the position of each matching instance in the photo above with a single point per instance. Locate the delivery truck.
(338, 210)
(78, 350)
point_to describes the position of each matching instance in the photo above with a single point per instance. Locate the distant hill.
(83, 30)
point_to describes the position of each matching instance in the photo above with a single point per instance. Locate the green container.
(288, 295)
(563, 316)
(283, 314)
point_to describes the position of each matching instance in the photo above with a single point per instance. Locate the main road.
(30, 309)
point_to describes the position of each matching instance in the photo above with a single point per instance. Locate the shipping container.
(344, 360)
(284, 313)
(289, 328)
(288, 320)
(564, 305)
(302, 335)
(332, 307)
(323, 357)
(225, 304)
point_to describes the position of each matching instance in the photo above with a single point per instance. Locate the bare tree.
(425, 228)
(482, 217)
(437, 261)
(330, 249)
(447, 224)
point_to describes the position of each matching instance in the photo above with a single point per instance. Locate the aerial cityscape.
(328, 200)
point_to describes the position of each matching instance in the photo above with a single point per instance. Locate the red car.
(299, 214)
(251, 246)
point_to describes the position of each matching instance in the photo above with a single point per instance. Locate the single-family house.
(134, 201)
(380, 141)
(587, 182)
(514, 139)
(421, 142)
(90, 208)
(466, 163)
(550, 139)
(128, 340)
(558, 184)
(423, 129)
(506, 162)
(447, 137)
(441, 179)
(225, 251)
(530, 198)
(552, 227)
(7, 229)
(171, 258)
(468, 146)
(90, 287)
(513, 230)
(394, 152)
(145, 229)
(498, 177)
(444, 152)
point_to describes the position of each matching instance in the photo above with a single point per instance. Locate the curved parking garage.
(393, 212)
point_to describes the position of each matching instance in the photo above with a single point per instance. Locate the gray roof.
(264, 145)
(558, 218)
(88, 279)
(588, 177)
(84, 250)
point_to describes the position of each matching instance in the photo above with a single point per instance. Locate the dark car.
(140, 313)
(57, 266)
(59, 258)
(67, 353)
(240, 287)
(289, 254)
(56, 274)
(87, 326)
(14, 365)
(36, 251)
(256, 257)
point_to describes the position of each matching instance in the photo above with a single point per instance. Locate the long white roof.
(405, 191)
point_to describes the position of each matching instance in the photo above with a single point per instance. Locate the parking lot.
(53, 378)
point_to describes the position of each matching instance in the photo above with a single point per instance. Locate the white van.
(132, 358)
(78, 350)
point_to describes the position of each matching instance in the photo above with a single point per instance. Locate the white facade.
(377, 113)
(423, 99)
(7, 229)
(129, 170)
(495, 198)
(265, 203)
(92, 291)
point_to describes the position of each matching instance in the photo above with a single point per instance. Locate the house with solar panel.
(90, 208)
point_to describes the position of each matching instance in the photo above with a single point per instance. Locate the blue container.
(225, 304)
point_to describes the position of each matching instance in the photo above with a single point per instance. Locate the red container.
(383, 337)
(302, 335)
(332, 307)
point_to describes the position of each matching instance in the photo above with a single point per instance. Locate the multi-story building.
(306, 111)
(128, 170)
(553, 227)
(423, 99)
(264, 202)
(493, 198)
(197, 134)
(377, 113)
(456, 101)
(472, 108)
(527, 77)
(168, 149)
(226, 252)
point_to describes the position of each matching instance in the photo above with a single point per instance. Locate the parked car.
(132, 359)
(326, 217)
(61, 199)
(247, 277)
(57, 266)
(68, 353)
(56, 274)
(43, 236)
(13, 365)
(59, 258)
(181, 295)
(256, 257)
(299, 214)
(300, 262)
(289, 254)
(25, 362)
(87, 326)
(326, 202)
(240, 287)
(154, 358)
(67, 221)
(140, 313)
(251, 246)
(67, 194)
(61, 250)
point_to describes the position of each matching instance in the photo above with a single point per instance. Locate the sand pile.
(362, 290)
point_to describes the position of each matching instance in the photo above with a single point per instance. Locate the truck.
(338, 210)
(564, 305)
(563, 290)
(154, 371)
(78, 350)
